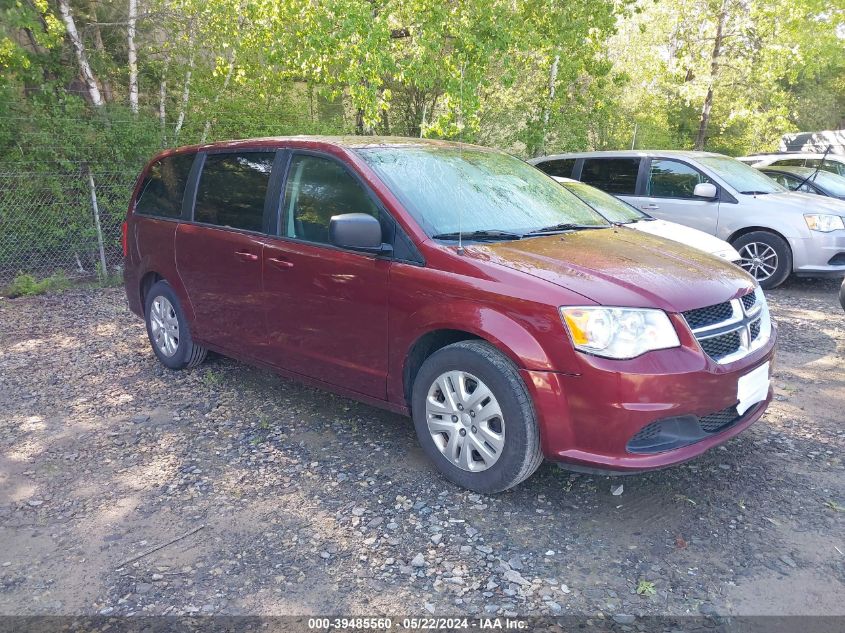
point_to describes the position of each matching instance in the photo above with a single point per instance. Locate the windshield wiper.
(490, 234)
(755, 193)
(567, 226)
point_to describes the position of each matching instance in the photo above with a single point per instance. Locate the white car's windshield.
(740, 176)
(481, 194)
(611, 207)
(832, 183)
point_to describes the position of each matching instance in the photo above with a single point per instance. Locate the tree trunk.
(133, 56)
(704, 122)
(186, 88)
(547, 109)
(207, 128)
(162, 101)
(108, 95)
(81, 57)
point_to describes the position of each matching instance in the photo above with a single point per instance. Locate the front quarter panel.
(522, 322)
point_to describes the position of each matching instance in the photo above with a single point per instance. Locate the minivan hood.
(622, 267)
(804, 202)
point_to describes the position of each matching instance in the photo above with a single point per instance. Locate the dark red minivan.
(453, 283)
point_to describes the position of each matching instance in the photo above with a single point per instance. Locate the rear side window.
(562, 168)
(789, 162)
(232, 189)
(318, 188)
(614, 175)
(163, 188)
(673, 179)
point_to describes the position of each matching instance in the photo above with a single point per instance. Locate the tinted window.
(161, 193)
(673, 179)
(789, 162)
(232, 189)
(561, 168)
(614, 175)
(318, 188)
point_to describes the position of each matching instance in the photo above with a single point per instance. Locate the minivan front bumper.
(821, 254)
(591, 420)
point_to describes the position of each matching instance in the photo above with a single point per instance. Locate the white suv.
(776, 231)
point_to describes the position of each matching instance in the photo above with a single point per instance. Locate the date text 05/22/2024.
(417, 624)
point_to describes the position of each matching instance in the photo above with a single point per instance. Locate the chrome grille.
(730, 330)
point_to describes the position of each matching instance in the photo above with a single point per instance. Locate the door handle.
(649, 206)
(246, 256)
(280, 263)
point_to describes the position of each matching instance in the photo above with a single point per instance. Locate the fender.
(512, 336)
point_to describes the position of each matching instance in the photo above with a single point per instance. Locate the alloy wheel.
(759, 259)
(164, 325)
(465, 421)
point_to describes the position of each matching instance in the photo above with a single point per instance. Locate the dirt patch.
(314, 504)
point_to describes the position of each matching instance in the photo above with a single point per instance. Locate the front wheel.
(842, 294)
(168, 330)
(765, 256)
(474, 417)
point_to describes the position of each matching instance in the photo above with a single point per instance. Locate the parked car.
(808, 180)
(776, 232)
(455, 284)
(834, 163)
(618, 211)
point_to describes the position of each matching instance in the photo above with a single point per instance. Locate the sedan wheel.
(465, 421)
(759, 259)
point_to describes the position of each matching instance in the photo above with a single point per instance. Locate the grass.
(25, 285)
(646, 588)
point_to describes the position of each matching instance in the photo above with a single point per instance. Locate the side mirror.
(705, 190)
(357, 231)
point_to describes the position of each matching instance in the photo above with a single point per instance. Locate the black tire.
(521, 454)
(779, 245)
(187, 354)
(842, 294)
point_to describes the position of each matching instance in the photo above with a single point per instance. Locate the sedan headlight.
(619, 332)
(823, 222)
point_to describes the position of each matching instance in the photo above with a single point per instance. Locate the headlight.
(823, 222)
(619, 332)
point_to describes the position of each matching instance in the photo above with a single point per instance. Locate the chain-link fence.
(62, 221)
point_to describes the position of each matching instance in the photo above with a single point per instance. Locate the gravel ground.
(294, 501)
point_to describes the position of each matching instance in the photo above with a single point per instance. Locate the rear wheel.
(765, 256)
(168, 330)
(474, 417)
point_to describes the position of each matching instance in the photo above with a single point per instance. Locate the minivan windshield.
(743, 178)
(483, 194)
(611, 207)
